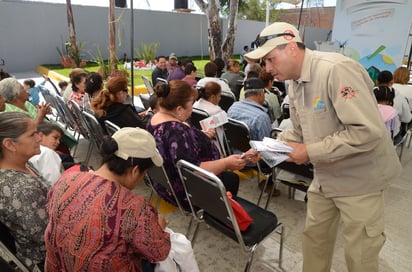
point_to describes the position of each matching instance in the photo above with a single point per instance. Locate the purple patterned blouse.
(177, 141)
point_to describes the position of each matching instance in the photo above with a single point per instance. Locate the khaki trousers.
(363, 231)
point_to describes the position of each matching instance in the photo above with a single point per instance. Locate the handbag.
(243, 219)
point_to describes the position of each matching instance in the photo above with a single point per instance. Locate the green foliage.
(76, 55)
(147, 52)
(64, 50)
(253, 9)
(67, 50)
(104, 65)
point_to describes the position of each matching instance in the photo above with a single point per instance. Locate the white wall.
(30, 32)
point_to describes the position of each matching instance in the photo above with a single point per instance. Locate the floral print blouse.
(98, 225)
(23, 200)
(176, 141)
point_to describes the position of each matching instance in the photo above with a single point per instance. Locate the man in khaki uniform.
(338, 128)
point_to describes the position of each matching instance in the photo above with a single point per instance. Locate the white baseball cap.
(271, 36)
(136, 143)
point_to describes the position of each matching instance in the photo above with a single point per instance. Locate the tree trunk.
(214, 31)
(72, 30)
(217, 49)
(229, 42)
(112, 37)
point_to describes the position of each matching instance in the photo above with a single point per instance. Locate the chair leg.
(75, 148)
(264, 188)
(270, 194)
(192, 240)
(401, 151)
(89, 153)
(281, 233)
(410, 138)
(249, 261)
(189, 227)
(157, 202)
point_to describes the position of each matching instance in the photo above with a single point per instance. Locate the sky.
(163, 5)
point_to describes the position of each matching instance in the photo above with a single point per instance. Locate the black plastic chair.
(238, 137)
(209, 203)
(158, 174)
(111, 127)
(226, 100)
(197, 116)
(304, 170)
(148, 85)
(144, 98)
(8, 252)
(81, 127)
(96, 131)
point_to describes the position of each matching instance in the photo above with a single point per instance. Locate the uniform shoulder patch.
(347, 92)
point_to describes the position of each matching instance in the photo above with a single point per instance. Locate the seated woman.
(94, 84)
(24, 192)
(234, 76)
(209, 97)
(177, 140)
(110, 105)
(190, 74)
(384, 95)
(78, 81)
(17, 100)
(96, 221)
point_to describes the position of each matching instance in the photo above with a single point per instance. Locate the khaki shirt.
(334, 112)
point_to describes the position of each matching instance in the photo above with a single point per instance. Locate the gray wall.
(30, 32)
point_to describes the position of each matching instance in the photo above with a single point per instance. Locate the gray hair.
(252, 92)
(12, 125)
(9, 88)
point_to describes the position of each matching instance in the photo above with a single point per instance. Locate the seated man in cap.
(251, 110)
(172, 63)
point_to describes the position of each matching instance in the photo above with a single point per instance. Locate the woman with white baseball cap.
(96, 221)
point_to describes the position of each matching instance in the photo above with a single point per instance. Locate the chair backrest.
(158, 174)
(111, 127)
(196, 116)
(148, 85)
(145, 100)
(65, 113)
(207, 195)
(305, 170)
(81, 124)
(226, 100)
(162, 80)
(95, 129)
(237, 135)
(8, 248)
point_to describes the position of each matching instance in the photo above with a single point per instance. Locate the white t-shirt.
(48, 163)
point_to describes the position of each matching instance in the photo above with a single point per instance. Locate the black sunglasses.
(261, 40)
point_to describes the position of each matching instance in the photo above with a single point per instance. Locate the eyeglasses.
(262, 40)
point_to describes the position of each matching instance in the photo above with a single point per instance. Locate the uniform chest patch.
(347, 92)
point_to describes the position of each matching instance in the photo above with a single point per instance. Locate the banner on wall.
(375, 33)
